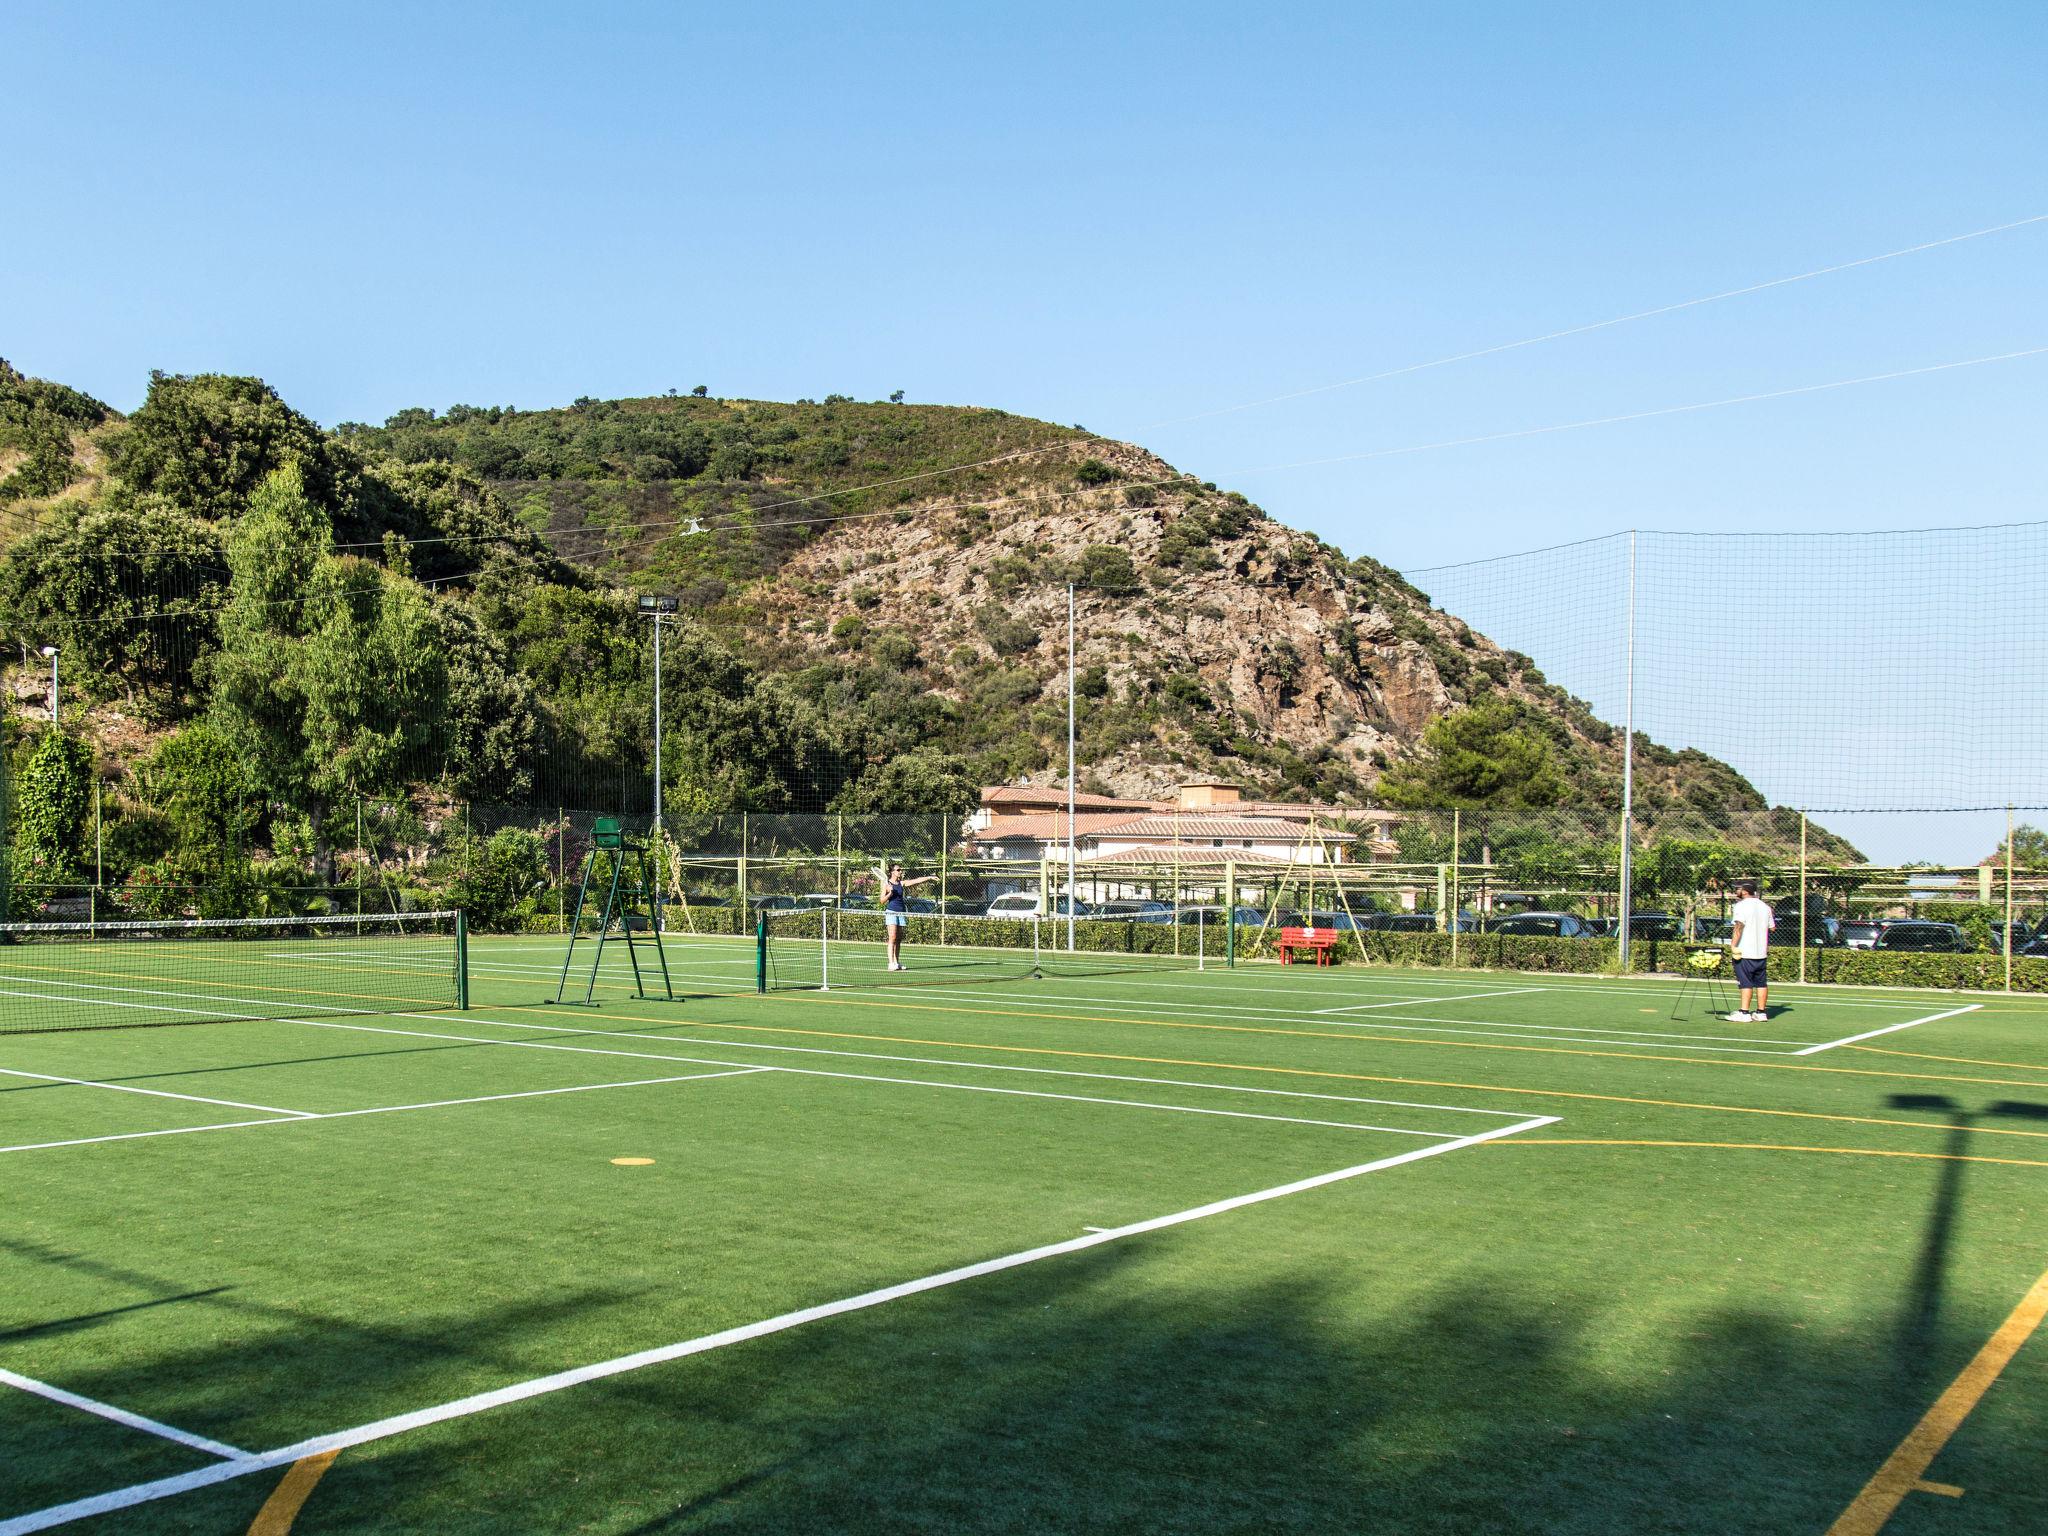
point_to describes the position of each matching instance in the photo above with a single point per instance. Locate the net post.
(461, 958)
(761, 952)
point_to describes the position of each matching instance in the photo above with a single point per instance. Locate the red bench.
(1319, 941)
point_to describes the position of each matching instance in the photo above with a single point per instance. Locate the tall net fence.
(1884, 683)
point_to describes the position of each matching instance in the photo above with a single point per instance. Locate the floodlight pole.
(1628, 758)
(657, 607)
(51, 652)
(1070, 767)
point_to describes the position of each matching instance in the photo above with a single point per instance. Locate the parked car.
(1138, 911)
(963, 906)
(1924, 938)
(1028, 904)
(1214, 917)
(2022, 936)
(2037, 947)
(780, 904)
(1600, 927)
(1821, 932)
(1543, 925)
(1342, 922)
(1860, 933)
(1655, 925)
(819, 898)
(1711, 930)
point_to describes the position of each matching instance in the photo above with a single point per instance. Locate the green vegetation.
(1484, 755)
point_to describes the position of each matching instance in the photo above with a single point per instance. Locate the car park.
(1860, 933)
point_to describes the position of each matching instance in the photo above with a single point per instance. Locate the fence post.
(359, 855)
(945, 851)
(1229, 913)
(1802, 896)
(2008, 898)
(1456, 833)
(561, 869)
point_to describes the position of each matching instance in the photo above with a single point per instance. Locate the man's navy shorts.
(1750, 973)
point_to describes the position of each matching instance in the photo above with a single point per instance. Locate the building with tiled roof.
(1209, 821)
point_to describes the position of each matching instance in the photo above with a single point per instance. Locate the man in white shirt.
(1750, 938)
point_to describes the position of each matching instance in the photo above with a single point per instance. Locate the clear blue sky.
(1118, 215)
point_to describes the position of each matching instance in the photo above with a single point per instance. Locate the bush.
(1105, 568)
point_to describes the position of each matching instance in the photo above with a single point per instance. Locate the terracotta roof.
(1051, 824)
(1052, 827)
(1185, 854)
(1001, 795)
(1221, 823)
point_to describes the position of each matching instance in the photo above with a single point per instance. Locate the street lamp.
(51, 652)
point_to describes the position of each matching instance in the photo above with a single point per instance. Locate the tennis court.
(1049, 1240)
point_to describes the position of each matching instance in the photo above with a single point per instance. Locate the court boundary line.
(1902, 1471)
(121, 1416)
(1890, 1029)
(301, 1117)
(154, 1093)
(540, 1386)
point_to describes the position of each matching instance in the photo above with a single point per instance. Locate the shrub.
(1094, 472)
(1105, 568)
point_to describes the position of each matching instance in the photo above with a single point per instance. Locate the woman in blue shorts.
(896, 911)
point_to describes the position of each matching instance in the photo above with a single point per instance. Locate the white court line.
(972, 1066)
(300, 1117)
(1872, 1034)
(154, 1093)
(384, 1429)
(122, 1416)
(108, 1002)
(1409, 1002)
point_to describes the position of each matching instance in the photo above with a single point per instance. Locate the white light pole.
(657, 607)
(1070, 768)
(51, 652)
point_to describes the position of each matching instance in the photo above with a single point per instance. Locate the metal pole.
(945, 849)
(1803, 915)
(1070, 766)
(1628, 756)
(2008, 898)
(1456, 833)
(53, 685)
(657, 771)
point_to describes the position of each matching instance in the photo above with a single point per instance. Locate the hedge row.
(1514, 952)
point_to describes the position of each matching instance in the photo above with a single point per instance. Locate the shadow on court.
(1070, 1398)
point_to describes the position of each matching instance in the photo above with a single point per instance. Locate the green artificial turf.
(1705, 1298)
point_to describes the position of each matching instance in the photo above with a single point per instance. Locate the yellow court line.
(282, 1507)
(1354, 1077)
(1905, 1469)
(1760, 1146)
(1455, 1045)
(1968, 1061)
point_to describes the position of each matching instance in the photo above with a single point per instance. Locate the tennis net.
(59, 976)
(831, 947)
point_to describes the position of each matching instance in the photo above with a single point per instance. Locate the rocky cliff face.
(1210, 639)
